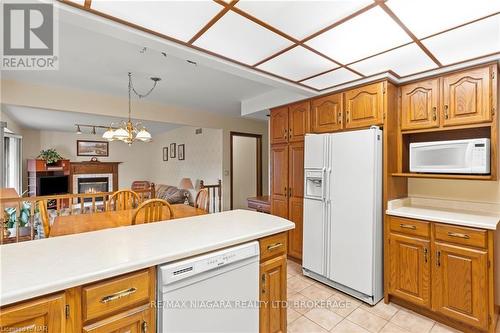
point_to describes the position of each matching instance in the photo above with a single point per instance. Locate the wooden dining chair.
(201, 200)
(124, 199)
(44, 216)
(153, 211)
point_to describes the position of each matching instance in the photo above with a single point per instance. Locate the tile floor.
(334, 311)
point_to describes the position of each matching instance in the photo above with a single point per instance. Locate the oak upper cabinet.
(296, 198)
(279, 125)
(409, 268)
(44, 314)
(419, 105)
(327, 113)
(467, 96)
(364, 106)
(461, 284)
(132, 321)
(279, 180)
(273, 278)
(298, 121)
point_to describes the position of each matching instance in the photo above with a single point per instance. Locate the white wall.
(244, 170)
(203, 157)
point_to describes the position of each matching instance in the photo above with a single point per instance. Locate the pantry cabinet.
(467, 96)
(364, 106)
(45, 314)
(419, 105)
(441, 268)
(273, 277)
(327, 113)
(279, 125)
(290, 123)
(279, 180)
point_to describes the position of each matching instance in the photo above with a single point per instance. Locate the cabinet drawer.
(461, 235)
(273, 246)
(410, 227)
(109, 296)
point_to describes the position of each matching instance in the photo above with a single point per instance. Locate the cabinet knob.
(347, 116)
(434, 114)
(438, 258)
(144, 327)
(425, 255)
(340, 117)
(446, 116)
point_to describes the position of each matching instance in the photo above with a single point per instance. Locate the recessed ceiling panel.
(238, 38)
(332, 78)
(470, 41)
(406, 60)
(300, 19)
(177, 19)
(297, 64)
(364, 35)
(426, 17)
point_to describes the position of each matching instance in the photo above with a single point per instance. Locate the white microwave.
(456, 156)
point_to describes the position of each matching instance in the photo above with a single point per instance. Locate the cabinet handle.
(274, 246)
(438, 261)
(408, 226)
(144, 327)
(340, 117)
(347, 116)
(458, 235)
(434, 114)
(118, 295)
(289, 192)
(446, 116)
(286, 191)
(284, 133)
(263, 283)
(425, 255)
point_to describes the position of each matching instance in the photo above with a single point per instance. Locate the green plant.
(50, 156)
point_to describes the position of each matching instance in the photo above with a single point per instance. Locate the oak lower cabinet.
(446, 271)
(273, 279)
(133, 321)
(45, 314)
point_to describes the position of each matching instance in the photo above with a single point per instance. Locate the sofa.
(172, 194)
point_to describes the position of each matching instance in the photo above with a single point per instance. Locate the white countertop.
(469, 214)
(35, 268)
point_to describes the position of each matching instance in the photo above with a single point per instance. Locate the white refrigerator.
(343, 233)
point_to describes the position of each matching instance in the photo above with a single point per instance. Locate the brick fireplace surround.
(93, 169)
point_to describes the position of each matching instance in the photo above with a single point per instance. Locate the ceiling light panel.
(300, 19)
(178, 19)
(297, 63)
(332, 78)
(240, 39)
(426, 17)
(470, 41)
(364, 35)
(406, 60)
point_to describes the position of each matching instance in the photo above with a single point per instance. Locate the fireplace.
(93, 185)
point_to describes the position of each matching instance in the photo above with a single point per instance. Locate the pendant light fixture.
(128, 132)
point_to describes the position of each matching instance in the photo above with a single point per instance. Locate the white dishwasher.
(214, 292)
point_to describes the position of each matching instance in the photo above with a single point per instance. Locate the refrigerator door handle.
(323, 189)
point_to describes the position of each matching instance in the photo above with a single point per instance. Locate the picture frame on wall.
(165, 154)
(92, 148)
(172, 150)
(181, 152)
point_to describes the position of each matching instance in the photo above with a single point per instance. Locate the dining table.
(78, 223)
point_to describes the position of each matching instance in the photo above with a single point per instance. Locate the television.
(49, 185)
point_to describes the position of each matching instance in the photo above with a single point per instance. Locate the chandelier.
(129, 132)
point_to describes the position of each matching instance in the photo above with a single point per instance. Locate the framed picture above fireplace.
(92, 148)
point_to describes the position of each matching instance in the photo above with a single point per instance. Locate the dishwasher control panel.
(185, 268)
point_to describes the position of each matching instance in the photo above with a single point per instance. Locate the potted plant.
(50, 156)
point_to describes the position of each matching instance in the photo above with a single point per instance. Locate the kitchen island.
(67, 268)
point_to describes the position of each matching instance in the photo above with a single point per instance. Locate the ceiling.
(64, 121)
(321, 44)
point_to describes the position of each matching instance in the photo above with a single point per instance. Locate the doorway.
(246, 168)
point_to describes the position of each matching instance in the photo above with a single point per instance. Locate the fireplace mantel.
(94, 168)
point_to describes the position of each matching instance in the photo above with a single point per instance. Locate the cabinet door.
(460, 289)
(279, 125)
(279, 180)
(295, 197)
(42, 315)
(273, 294)
(299, 123)
(327, 114)
(409, 269)
(419, 105)
(133, 321)
(296, 215)
(365, 106)
(466, 97)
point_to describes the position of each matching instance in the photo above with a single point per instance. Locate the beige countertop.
(464, 213)
(35, 268)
